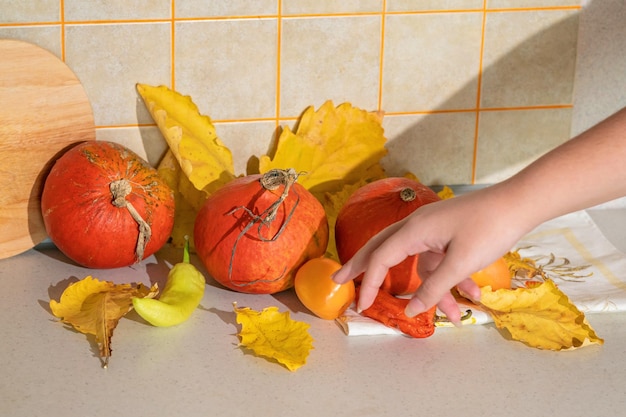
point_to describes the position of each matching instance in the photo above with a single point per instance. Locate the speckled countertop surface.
(197, 369)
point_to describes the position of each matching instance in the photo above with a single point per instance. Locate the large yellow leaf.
(191, 137)
(188, 199)
(95, 307)
(541, 316)
(333, 146)
(272, 334)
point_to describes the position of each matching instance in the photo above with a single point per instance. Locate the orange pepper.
(389, 310)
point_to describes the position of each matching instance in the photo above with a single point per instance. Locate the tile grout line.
(387, 114)
(381, 58)
(62, 16)
(295, 16)
(279, 36)
(478, 93)
(532, 9)
(173, 46)
(63, 23)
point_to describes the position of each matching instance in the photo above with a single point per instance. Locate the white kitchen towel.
(354, 324)
(567, 242)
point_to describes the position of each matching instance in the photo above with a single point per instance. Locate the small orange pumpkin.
(104, 207)
(256, 231)
(372, 208)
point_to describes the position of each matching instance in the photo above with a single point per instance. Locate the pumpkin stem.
(119, 190)
(271, 180)
(407, 194)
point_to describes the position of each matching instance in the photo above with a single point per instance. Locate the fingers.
(468, 288)
(435, 290)
(388, 254)
(362, 259)
(450, 308)
(367, 295)
(444, 236)
(380, 261)
(428, 262)
(442, 263)
(447, 304)
(350, 270)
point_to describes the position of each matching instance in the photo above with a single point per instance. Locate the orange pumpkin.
(104, 207)
(256, 231)
(372, 208)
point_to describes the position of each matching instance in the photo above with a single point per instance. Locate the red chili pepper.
(389, 310)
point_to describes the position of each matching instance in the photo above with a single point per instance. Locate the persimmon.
(318, 292)
(496, 275)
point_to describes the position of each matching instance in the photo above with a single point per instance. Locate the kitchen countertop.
(197, 368)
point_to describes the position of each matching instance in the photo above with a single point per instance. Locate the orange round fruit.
(252, 239)
(496, 275)
(369, 210)
(318, 292)
(105, 207)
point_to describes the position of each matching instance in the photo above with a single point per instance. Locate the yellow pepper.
(182, 294)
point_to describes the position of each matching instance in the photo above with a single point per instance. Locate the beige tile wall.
(472, 89)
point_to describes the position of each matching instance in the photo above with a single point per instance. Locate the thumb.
(347, 272)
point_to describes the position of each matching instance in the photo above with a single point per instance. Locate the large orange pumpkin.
(256, 231)
(372, 208)
(104, 207)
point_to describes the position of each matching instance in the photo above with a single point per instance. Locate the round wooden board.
(44, 110)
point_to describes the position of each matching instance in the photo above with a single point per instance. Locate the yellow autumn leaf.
(445, 193)
(521, 266)
(187, 198)
(191, 137)
(272, 334)
(333, 146)
(333, 202)
(411, 176)
(541, 316)
(95, 307)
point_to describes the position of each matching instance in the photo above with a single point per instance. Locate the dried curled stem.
(269, 181)
(119, 190)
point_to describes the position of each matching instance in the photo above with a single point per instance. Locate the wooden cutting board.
(44, 110)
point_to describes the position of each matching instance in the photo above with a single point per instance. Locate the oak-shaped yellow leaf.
(191, 137)
(541, 316)
(272, 334)
(95, 307)
(333, 146)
